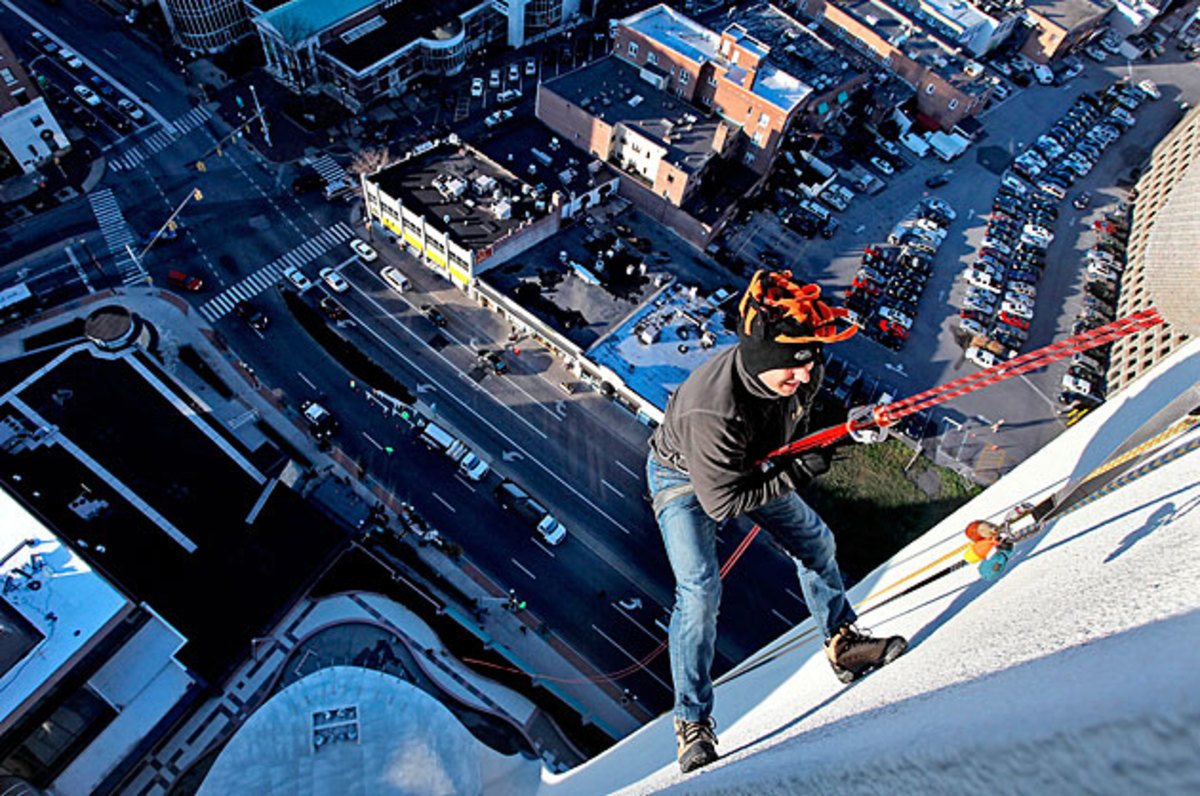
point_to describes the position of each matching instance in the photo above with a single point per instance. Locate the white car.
(131, 109)
(75, 62)
(887, 146)
(972, 327)
(940, 206)
(1022, 289)
(882, 165)
(499, 117)
(509, 95)
(1101, 270)
(297, 278)
(494, 79)
(477, 87)
(1038, 231)
(530, 66)
(514, 72)
(983, 280)
(365, 252)
(895, 316)
(473, 467)
(1020, 310)
(1151, 90)
(1076, 384)
(87, 95)
(982, 357)
(336, 281)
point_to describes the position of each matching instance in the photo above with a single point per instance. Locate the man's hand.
(806, 466)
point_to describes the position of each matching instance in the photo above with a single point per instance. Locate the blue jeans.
(690, 538)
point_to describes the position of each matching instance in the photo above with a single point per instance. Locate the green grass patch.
(875, 507)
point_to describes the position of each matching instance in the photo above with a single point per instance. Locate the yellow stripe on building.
(416, 242)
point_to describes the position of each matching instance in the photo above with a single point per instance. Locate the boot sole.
(894, 650)
(698, 761)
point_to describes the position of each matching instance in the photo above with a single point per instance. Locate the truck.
(439, 439)
(515, 499)
(320, 421)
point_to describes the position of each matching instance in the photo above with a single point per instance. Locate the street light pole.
(192, 194)
(266, 129)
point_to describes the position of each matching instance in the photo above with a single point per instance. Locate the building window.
(759, 139)
(748, 158)
(652, 58)
(712, 81)
(685, 77)
(9, 78)
(37, 121)
(952, 104)
(930, 88)
(633, 48)
(763, 119)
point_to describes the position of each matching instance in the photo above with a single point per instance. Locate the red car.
(888, 327)
(867, 286)
(1013, 320)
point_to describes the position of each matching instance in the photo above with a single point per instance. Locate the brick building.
(1161, 267)
(949, 88)
(1061, 26)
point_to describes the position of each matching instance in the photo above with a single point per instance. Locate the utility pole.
(137, 259)
(266, 129)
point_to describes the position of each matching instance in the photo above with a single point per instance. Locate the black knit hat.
(783, 324)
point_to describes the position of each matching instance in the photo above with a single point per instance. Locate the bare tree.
(367, 161)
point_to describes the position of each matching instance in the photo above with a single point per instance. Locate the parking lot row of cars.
(887, 288)
(999, 302)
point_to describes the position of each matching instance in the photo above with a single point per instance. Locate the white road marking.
(786, 621)
(613, 488)
(371, 440)
(542, 547)
(442, 500)
(108, 52)
(632, 474)
(795, 596)
(519, 566)
(463, 481)
(154, 87)
(629, 655)
(639, 625)
(306, 381)
(485, 421)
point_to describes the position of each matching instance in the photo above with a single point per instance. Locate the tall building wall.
(1171, 160)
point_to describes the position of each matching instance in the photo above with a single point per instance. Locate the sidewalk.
(503, 631)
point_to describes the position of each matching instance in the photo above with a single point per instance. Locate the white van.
(396, 280)
(815, 209)
(439, 439)
(473, 467)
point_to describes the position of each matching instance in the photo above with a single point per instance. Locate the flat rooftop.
(612, 90)
(528, 148)
(162, 515)
(54, 603)
(656, 348)
(395, 27)
(962, 14)
(700, 44)
(1067, 13)
(918, 43)
(444, 185)
(799, 51)
(299, 19)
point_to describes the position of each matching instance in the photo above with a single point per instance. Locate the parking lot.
(993, 429)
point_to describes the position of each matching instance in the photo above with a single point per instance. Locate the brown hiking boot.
(696, 743)
(853, 654)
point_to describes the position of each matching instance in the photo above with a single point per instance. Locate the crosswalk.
(117, 234)
(163, 138)
(250, 286)
(330, 171)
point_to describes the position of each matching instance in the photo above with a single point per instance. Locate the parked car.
(297, 278)
(364, 251)
(434, 315)
(253, 317)
(884, 166)
(981, 357)
(494, 79)
(477, 87)
(131, 109)
(87, 95)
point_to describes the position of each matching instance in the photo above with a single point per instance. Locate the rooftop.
(916, 42)
(1067, 13)
(463, 193)
(697, 43)
(526, 147)
(163, 515)
(613, 91)
(656, 348)
(799, 51)
(395, 27)
(54, 603)
(299, 19)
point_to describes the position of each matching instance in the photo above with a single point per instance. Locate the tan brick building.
(1164, 235)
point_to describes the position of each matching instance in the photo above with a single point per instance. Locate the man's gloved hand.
(804, 467)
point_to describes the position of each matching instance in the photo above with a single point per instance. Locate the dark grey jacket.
(720, 423)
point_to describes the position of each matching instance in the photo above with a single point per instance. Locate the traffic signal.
(200, 166)
(388, 449)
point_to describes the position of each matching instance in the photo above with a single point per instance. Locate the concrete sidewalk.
(598, 701)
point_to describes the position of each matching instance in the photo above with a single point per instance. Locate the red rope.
(887, 415)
